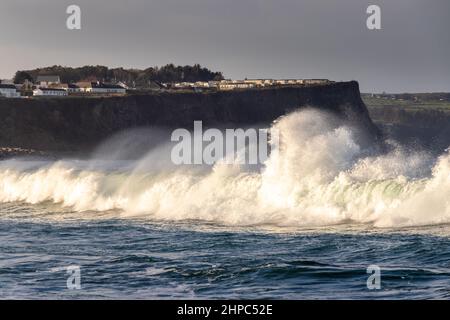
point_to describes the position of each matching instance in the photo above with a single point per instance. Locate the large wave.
(319, 176)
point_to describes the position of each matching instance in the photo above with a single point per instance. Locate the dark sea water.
(126, 258)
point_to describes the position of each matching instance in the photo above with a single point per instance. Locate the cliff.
(79, 124)
(427, 127)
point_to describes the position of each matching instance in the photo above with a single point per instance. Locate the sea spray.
(319, 176)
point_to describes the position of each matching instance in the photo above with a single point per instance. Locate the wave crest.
(319, 176)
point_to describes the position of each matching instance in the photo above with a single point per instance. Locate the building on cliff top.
(101, 88)
(69, 87)
(9, 91)
(249, 83)
(50, 92)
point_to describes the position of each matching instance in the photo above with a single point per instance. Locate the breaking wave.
(319, 176)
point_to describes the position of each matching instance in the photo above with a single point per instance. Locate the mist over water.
(320, 176)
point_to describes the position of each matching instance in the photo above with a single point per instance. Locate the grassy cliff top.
(407, 105)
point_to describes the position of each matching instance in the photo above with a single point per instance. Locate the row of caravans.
(247, 83)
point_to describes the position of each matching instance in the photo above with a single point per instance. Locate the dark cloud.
(243, 38)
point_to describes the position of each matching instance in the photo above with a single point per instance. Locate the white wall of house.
(236, 85)
(54, 93)
(9, 93)
(316, 81)
(107, 90)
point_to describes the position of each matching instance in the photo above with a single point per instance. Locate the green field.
(374, 102)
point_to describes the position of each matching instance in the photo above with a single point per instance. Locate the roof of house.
(48, 78)
(51, 89)
(68, 85)
(7, 86)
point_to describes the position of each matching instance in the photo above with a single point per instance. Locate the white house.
(70, 87)
(227, 85)
(213, 84)
(316, 81)
(9, 91)
(51, 92)
(101, 88)
(183, 85)
(259, 82)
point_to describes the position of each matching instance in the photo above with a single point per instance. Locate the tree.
(21, 76)
(133, 77)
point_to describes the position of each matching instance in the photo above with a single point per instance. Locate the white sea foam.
(319, 176)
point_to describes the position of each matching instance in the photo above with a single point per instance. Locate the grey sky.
(242, 38)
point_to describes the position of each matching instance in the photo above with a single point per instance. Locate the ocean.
(310, 223)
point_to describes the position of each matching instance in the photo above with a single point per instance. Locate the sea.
(323, 218)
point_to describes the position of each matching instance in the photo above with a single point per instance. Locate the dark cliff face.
(416, 127)
(79, 124)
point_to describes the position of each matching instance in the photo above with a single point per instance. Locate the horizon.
(255, 39)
